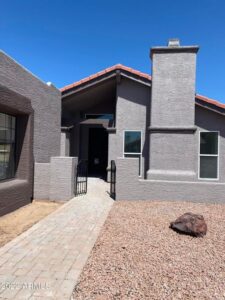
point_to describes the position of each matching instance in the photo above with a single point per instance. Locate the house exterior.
(168, 143)
(35, 108)
(166, 140)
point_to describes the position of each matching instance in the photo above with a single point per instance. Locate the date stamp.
(24, 285)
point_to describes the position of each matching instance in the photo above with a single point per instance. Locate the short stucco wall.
(62, 178)
(129, 187)
(55, 180)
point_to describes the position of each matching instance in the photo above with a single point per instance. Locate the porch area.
(88, 121)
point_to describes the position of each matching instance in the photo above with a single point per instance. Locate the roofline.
(117, 67)
(145, 76)
(210, 101)
(28, 71)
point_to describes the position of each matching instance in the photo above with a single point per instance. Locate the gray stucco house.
(168, 142)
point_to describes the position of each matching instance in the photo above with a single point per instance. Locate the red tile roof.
(106, 71)
(210, 101)
(137, 73)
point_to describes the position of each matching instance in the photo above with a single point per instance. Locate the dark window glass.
(209, 155)
(132, 142)
(7, 146)
(132, 145)
(100, 116)
(209, 143)
(208, 167)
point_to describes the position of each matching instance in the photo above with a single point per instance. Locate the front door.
(98, 152)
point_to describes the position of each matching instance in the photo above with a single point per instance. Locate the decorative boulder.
(191, 224)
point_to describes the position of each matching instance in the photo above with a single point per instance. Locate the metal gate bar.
(81, 178)
(113, 180)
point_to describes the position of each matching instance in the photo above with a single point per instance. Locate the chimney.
(174, 43)
(173, 85)
(172, 113)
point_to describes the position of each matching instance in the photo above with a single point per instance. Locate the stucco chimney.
(173, 85)
(172, 113)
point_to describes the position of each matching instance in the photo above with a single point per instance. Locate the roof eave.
(103, 77)
(131, 74)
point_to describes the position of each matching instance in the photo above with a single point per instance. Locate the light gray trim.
(111, 129)
(63, 128)
(180, 49)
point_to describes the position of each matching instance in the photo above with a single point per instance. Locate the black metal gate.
(81, 178)
(113, 180)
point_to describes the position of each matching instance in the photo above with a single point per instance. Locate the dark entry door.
(98, 152)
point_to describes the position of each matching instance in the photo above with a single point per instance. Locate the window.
(100, 116)
(132, 145)
(209, 155)
(7, 146)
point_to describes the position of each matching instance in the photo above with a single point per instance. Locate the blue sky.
(64, 41)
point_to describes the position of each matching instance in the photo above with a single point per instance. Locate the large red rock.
(191, 224)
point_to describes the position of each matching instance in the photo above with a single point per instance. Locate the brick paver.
(45, 261)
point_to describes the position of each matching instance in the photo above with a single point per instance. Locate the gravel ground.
(137, 256)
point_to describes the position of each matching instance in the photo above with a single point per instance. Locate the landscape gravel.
(137, 256)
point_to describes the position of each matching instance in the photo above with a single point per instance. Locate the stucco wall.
(104, 107)
(46, 102)
(173, 155)
(65, 143)
(130, 187)
(173, 89)
(42, 181)
(17, 191)
(62, 178)
(132, 111)
(171, 131)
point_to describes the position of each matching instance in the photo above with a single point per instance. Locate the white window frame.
(208, 155)
(133, 153)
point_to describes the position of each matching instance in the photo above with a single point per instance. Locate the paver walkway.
(45, 261)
